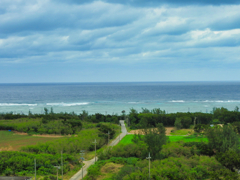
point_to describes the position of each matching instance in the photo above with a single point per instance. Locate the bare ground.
(140, 131)
(43, 135)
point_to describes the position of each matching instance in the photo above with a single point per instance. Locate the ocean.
(113, 98)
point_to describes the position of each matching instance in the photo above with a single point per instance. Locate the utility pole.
(149, 157)
(95, 142)
(62, 164)
(120, 132)
(82, 158)
(35, 169)
(57, 167)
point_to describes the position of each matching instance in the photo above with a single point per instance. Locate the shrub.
(177, 149)
(221, 139)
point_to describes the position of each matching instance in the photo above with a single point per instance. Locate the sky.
(119, 40)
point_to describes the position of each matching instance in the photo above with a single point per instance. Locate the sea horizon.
(113, 97)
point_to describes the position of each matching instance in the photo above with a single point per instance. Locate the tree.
(186, 121)
(46, 111)
(178, 123)
(154, 138)
(200, 128)
(230, 159)
(222, 138)
(158, 111)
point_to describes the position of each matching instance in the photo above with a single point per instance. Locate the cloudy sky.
(119, 40)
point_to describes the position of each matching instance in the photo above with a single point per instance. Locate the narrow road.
(79, 174)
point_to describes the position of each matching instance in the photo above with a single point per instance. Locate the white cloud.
(43, 31)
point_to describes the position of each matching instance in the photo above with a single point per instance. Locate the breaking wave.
(181, 101)
(15, 104)
(67, 104)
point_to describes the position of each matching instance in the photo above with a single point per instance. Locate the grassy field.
(11, 141)
(182, 132)
(128, 139)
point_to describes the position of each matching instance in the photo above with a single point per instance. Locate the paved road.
(78, 175)
(124, 132)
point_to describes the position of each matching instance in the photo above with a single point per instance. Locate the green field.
(128, 139)
(11, 141)
(182, 132)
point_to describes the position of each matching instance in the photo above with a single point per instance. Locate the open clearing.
(13, 142)
(140, 131)
(128, 139)
(168, 131)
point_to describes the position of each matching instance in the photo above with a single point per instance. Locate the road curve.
(79, 174)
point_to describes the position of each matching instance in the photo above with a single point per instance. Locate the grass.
(187, 139)
(108, 170)
(128, 139)
(128, 128)
(182, 132)
(14, 142)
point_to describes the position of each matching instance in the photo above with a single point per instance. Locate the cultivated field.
(9, 141)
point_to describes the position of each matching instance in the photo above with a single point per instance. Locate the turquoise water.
(109, 98)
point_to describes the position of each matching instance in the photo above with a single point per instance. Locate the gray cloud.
(152, 3)
(113, 33)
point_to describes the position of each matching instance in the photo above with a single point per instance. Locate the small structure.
(14, 178)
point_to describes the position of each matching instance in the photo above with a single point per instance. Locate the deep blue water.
(115, 97)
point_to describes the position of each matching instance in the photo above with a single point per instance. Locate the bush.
(20, 163)
(221, 139)
(177, 149)
(125, 151)
(202, 148)
(181, 168)
(178, 124)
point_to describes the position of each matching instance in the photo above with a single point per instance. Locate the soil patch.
(43, 135)
(140, 131)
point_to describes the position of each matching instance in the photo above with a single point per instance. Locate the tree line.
(147, 118)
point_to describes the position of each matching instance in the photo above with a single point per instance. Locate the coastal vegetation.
(215, 158)
(202, 146)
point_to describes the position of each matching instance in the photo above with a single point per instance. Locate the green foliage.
(158, 111)
(178, 123)
(69, 145)
(236, 126)
(183, 122)
(104, 129)
(94, 170)
(180, 132)
(223, 174)
(20, 163)
(221, 139)
(199, 128)
(126, 151)
(202, 148)
(154, 139)
(127, 169)
(186, 121)
(42, 126)
(176, 149)
(181, 168)
(230, 159)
